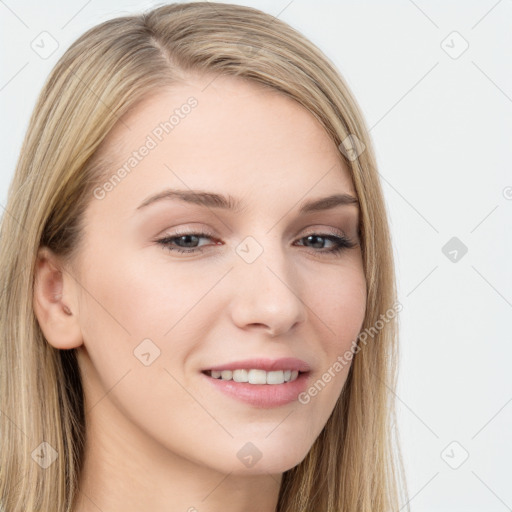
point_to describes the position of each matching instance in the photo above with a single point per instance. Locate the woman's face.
(261, 284)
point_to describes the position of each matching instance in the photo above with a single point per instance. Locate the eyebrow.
(228, 202)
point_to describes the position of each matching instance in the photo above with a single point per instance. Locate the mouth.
(262, 383)
(255, 376)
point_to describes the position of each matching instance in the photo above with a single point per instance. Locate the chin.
(260, 458)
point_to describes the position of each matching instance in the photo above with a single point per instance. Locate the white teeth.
(240, 376)
(226, 374)
(256, 376)
(275, 377)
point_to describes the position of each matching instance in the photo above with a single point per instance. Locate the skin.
(157, 435)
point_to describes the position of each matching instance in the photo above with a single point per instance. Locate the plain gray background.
(434, 81)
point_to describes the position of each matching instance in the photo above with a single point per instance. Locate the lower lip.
(262, 395)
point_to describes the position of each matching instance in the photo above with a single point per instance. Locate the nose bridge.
(268, 289)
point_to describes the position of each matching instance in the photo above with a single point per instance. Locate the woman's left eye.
(169, 242)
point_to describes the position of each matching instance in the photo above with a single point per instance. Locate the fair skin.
(159, 437)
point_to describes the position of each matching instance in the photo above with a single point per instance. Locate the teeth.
(240, 376)
(226, 374)
(275, 377)
(256, 376)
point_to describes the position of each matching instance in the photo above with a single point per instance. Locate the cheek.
(337, 304)
(337, 310)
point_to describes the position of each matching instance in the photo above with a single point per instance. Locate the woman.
(143, 369)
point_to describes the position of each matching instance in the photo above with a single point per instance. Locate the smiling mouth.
(255, 376)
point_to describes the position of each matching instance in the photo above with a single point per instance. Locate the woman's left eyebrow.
(228, 202)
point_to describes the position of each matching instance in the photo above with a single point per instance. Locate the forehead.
(222, 133)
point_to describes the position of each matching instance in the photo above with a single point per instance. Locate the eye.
(190, 240)
(168, 243)
(341, 242)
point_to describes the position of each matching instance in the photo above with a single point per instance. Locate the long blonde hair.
(355, 464)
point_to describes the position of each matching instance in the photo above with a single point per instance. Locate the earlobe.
(53, 302)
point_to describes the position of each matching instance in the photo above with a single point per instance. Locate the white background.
(442, 132)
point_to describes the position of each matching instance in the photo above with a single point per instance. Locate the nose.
(267, 294)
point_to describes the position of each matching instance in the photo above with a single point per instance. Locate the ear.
(54, 302)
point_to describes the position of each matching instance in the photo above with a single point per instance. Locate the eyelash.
(342, 242)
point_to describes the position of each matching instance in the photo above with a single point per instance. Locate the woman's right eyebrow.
(228, 202)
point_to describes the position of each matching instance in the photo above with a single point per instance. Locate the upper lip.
(285, 363)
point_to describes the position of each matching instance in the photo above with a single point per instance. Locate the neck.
(125, 469)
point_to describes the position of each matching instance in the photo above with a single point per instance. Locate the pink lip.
(263, 395)
(285, 363)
